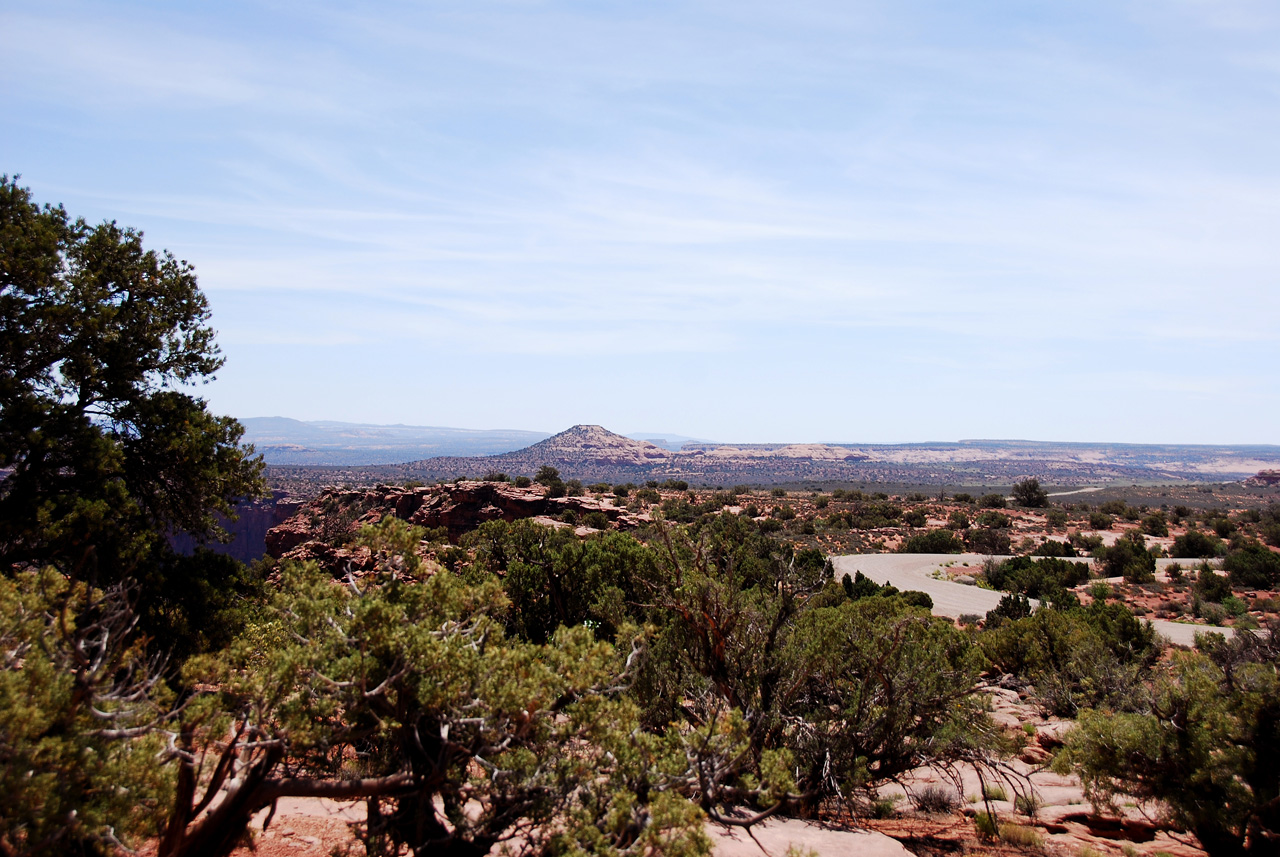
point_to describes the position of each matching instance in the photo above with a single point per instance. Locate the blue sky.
(859, 221)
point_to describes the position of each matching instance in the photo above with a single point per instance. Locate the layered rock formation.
(321, 526)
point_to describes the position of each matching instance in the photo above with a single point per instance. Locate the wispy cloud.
(937, 193)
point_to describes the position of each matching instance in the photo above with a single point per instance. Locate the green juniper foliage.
(109, 455)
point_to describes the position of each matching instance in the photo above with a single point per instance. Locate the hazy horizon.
(748, 221)
(677, 436)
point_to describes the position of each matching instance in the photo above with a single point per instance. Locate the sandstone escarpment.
(322, 526)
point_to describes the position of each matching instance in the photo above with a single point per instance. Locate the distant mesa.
(597, 445)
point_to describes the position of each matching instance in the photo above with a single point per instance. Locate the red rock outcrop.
(329, 520)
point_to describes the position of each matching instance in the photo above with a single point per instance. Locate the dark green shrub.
(1155, 525)
(915, 518)
(1011, 607)
(1076, 658)
(1197, 545)
(988, 541)
(1028, 493)
(1087, 544)
(1035, 578)
(996, 520)
(1130, 559)
(1205, 747)
(1053, 547)
(1100, 521)
(934, 541)
(992, 501)
(679, 510)
(1114, 507)
(1270, 525)
(1252, 566)
(916, 598)
(648, 495)
(1211, 586)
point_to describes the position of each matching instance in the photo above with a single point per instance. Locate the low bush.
(1027, 804)
(1036, 578)
(1251, 565)
(997, 520)
(1130, 559)
(1020, 836)
(1197, 545)
(1155, 525)
(936, 800)
(1212, 586)
(988, 541)
(1053, 547)
(934, 541)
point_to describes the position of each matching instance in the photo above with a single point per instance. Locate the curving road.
(915, 571)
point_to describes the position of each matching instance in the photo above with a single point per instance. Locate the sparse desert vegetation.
(544, 662)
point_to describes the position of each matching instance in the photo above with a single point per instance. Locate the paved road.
(915, 570)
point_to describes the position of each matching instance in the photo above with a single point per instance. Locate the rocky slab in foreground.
(774, 837)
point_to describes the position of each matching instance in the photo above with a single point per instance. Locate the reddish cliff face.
(320, 526)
